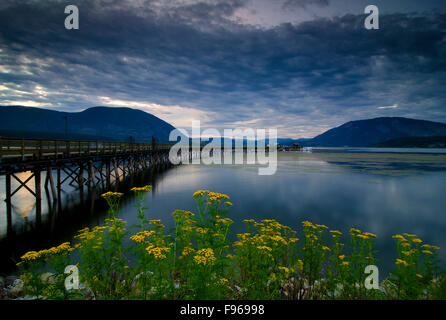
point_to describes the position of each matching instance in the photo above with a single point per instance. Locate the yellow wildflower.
(401, 262)
(142, 189)
(159, 253)
(201, 230)
(405, 244)
(399, 237)
(368, 234)
(112, 195)
(300, 265)
(308, 224)
(362, 236)
(225, 221)
(205, 256)
(200, 193)
(285, 269)
(187, 251)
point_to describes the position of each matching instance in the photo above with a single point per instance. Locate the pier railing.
(16, 149)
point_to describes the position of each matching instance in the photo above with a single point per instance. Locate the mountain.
(414, 142)
(366, 133)
(118, 124)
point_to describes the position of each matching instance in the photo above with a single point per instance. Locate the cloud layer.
(184, 60)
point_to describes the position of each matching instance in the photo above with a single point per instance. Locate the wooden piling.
(59, 188)
(107, 173)
(91, 175)
(38, 193)
(49, 174)
(8, 205)
(80, 177)
(116, 171)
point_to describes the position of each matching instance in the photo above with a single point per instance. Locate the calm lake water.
(380, 191)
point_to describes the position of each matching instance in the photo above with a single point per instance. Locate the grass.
(196, 260)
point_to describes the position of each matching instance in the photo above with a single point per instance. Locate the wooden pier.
(95, 165)
(80, 164)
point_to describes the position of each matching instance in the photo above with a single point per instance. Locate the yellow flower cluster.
(205, 257)
(225, 221)
(266, 248)
(215, 196)
(212, 196)
(96, 232)
(85, 234)
(201, 230)
(401, 262)
(147, 188)
(200, 193)
(112, 195)
(140, 237)
(31, 255)
(300, 264)
(399, 237)
(308, 224)
(286, 270)
(34, 255)
(356, 233)
(182, 214)
(187, 251)
(370, 235)
(412, 237)
(271, 235)
(428, 246)
(405, 244)
(408, 252)
(159, 253)
(278, 239)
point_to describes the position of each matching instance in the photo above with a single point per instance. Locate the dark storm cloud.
(293, 76)
(289, 4)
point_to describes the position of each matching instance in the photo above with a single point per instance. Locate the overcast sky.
(302, 66)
